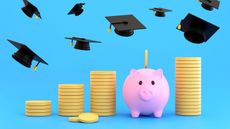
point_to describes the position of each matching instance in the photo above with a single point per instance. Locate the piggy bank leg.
(135, 114)
(158, 114)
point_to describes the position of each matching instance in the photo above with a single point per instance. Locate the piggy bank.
(146, 92)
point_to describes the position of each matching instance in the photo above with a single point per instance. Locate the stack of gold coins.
(70, 99)
(38, 108)
(103, 92)
(188, 86)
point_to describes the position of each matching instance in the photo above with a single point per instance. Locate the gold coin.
(112, 83)
(189, 107)
(37, 114)
(71, 100)
(88, 117)
(63, 108)
(71, 86)
(187, 103)
(70, 90)
(188, 113)
(188, 97)
(102, 104)
(188, 83)
(73, 119)
(70, 111)
(102, 72)
(103, 77)
(70, 104)
(38, 107)
(102, 100)
(188, 58)
(102, 80)
(69, 114)
(102, 88)
(187, 100)
(188, 79)
(188, 72)
(70, 94)
(71, 97)
(188, 66)
(188, 90)
(38, 102)
(188, 76)
(103, 94)
(188, 110)
(102, 97)
(106, 114)
(38, 111)
(103, 91)
(188, 69)
(103, 107)
(192, 86)
(188, 93)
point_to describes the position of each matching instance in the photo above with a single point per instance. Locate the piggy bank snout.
(146, 94)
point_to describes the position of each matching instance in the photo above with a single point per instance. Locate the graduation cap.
(196, 30)
(25, 56)
(160, 12)
(81, 43)
(77, 9)
(124, 24)
(30, 9)
(210, 4)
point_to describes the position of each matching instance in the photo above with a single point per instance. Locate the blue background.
(67, 65)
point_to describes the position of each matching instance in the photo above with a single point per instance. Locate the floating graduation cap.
(81, 43)
(160, 12)
(124, 24)
(77, 9)
(210, 4)
(25, 56)
(30, 9)
(196, 30)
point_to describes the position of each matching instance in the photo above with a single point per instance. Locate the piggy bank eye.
(153, 82)
(140, 82)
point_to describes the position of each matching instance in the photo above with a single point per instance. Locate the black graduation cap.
(25, 56)
(30, 9)
(210, 4)
(124, 24)
(77, 9)
(81, 43)
(196, 30)
(160, 12)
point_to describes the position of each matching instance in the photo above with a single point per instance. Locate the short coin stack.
(103, 92)
(70, 99)
(188, 86)
(38, 108)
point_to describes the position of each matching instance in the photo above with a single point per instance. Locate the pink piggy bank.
(146, 92)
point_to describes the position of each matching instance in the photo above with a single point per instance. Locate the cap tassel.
(36, 17)
(110, 28)
(36, 66)
(146, 59)
(179, 27)
(71, 43)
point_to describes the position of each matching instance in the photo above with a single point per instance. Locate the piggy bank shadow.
(165, 115)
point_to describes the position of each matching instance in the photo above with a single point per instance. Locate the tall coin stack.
(70, 99)
(38, 108)
(188, 86)
(103, 92)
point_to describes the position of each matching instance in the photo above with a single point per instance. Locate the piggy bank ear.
(159, 73)
(133, 72)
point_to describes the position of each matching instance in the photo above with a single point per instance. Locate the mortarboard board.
(196, 30)
(29, 9)
(25, 56)
(125, 24)
(81, 43)
(210, 4)
(77, 9)
(160, 12)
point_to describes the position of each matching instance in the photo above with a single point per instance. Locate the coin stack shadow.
(103, 92)
(188, 86)
(38, 108)
(70, 99)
